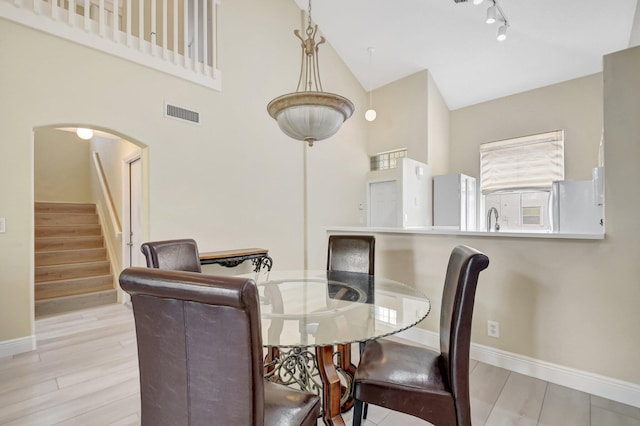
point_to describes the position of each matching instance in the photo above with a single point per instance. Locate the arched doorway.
(90, 210)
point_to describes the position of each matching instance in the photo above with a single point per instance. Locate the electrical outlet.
(493, 328)
(2, 224)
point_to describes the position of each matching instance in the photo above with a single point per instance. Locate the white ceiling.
(549, 41)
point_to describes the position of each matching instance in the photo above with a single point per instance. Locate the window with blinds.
(524, 163)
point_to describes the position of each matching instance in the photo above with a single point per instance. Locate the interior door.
(136, 258)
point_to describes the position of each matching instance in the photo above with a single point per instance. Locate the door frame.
(126, 210)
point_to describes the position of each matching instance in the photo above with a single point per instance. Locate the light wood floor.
(84, 372)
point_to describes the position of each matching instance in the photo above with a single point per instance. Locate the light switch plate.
(2, 224)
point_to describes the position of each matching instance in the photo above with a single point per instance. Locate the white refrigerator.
(454, 202)
(574, 208)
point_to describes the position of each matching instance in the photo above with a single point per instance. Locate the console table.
(230, 258)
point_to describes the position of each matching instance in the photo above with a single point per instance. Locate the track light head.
(502, 32)
(491, 14)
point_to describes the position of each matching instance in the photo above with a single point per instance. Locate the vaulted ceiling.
(549, 41)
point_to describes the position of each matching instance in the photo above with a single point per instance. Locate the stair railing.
(175, 37)
(106, 196)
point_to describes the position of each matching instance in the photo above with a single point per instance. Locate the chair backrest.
(178, 255)
(199, 347)
(351, 253)
(465, 264)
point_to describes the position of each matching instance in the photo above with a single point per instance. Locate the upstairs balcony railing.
(177, 37)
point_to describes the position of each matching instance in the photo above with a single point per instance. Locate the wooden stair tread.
(40, 207)
(68, 231)
(66, 219)
(71, 270)
(79, 279)
(66, 257)
(63, 288)
(44, 244)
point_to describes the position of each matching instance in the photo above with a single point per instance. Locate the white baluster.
(185, 32)
(196, 33)
(54, 10)
(205, 35)
(140, 24)
(128, 29)
(175, 32)
(115, 20)
(72, 13)
(164, 29)
(214, 34)
(101, 18)
(36, 6)
(153, 35)
(87, 14)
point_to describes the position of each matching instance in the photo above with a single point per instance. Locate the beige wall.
(233, 181)
(438, 124)
(402, 108)
(575, 106)
(61, 167)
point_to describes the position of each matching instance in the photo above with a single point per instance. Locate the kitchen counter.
(482, 234)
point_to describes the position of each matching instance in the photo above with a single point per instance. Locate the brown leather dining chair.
(431, 385)
(178, 255)
(200, 353)
(351, 253)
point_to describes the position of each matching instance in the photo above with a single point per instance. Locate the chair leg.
(357, 412)
(366, 404)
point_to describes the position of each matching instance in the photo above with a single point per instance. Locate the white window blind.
(528, 162)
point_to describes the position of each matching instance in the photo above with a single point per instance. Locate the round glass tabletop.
(320, 308)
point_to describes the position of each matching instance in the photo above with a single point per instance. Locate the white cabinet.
(454, 202)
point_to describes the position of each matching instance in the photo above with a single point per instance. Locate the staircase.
(72, 269)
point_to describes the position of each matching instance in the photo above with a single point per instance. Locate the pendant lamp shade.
(310, 114)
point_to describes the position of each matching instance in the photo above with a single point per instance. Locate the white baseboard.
(17, 346)
(594, 384)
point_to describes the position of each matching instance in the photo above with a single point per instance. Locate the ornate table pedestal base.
(318, 373)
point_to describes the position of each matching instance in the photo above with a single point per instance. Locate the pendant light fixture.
(370, 115)
(310, 114)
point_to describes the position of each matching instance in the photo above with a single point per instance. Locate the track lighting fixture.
(502, 32)
(494, 14)
(491, 14)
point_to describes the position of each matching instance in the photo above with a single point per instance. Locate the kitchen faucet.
(492, 209)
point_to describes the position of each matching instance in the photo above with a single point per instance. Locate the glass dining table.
(311, 318)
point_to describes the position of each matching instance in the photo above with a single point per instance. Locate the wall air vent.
(181, 113)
